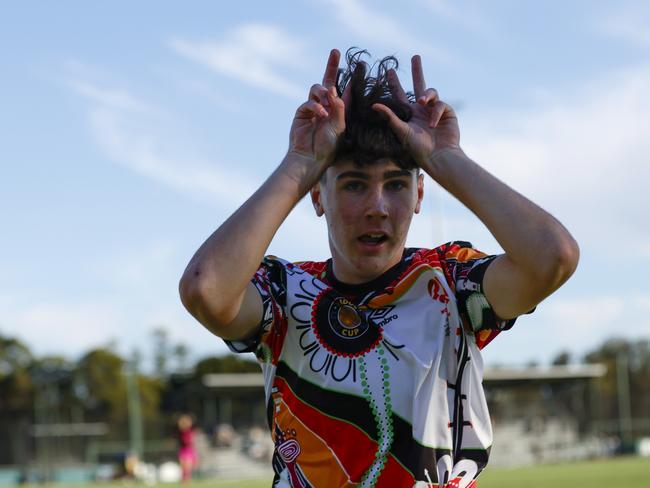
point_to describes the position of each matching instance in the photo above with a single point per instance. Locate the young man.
(372, 359)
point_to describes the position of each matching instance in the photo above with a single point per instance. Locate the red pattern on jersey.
(352, 447)
(314, 268)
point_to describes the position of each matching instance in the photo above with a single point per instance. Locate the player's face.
(368, 212)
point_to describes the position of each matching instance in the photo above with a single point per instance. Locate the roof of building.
(567, 372)
(499, 375)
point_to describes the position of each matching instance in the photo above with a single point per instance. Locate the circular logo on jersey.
(341, 327)
(349, 319)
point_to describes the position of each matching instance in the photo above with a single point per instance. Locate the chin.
(373, 265)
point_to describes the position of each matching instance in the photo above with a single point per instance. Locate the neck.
(354, 274)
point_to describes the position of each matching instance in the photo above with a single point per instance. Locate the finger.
(429, 98)
(329, 78)
(311, 109)
(398, 126)
(419, 85)
(396, 87)
(319, 94)
(438, 111)
(336, 108)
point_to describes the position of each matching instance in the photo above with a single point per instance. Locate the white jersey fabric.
(377, 384)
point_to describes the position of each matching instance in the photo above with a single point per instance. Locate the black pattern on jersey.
(342, 327)
(353, 409)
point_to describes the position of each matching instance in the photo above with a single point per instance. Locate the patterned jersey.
(377, 384)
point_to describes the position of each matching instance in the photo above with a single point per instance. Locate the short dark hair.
(368, 137)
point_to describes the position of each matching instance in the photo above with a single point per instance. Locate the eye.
(396, 185)
(353, 185)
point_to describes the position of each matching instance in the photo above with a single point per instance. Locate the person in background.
(187, 455)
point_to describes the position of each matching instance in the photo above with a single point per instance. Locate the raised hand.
(432, 127)
(318, 123)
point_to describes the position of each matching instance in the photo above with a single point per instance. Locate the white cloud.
(129, 131)
(578, 324)
(467, 18)
(209, 93)
(629, 23)
(373, 26)
(585, 322)
(587, 314)
(255, 54)
(54, 327)
(138, 292)
(139, 271)
(148, 141)
(582, 155)
(72, 328)
(145, 152)
(108, 97)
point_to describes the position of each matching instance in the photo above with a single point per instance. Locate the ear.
(420, 187)
(315, 193)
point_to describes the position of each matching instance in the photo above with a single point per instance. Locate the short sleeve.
(270, 282)
(465, 268)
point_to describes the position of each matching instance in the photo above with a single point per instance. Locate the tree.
(54, 378)
(101, 383)
(181, 353)
(228, 363)
(634, 357)
(562, 359)
(101, 386)
(161, 350)
(16, 400)
(16, 386)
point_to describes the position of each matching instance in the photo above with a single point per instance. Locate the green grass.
(613, 473)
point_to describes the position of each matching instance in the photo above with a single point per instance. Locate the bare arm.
(215, 287)
(216, 281)
(540, 254)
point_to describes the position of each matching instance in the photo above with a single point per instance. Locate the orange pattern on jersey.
(484, 337)
(464, 254)
(316, 460)
(351, 445)
(342, 441)
(400, 289)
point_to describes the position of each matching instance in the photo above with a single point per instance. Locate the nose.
(376, 204)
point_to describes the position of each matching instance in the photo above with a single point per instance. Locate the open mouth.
(373, 238)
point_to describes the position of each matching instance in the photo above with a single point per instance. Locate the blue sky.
(130, 130)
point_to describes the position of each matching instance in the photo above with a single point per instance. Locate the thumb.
(399, 127)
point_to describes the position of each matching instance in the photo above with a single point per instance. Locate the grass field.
(614, 473)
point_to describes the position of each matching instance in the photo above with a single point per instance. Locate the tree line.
(40, 394)
(93, 390)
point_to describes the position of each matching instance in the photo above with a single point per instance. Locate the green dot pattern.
(381, 413)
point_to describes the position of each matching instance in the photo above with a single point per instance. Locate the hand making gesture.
(432, 127)
(318, 123)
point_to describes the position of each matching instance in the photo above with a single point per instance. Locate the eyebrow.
(364, 176)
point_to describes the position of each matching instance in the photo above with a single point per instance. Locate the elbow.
(568, 257)
(190, 289)
(561, 262)
(200, 298)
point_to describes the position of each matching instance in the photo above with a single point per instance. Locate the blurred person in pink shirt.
(187, 456)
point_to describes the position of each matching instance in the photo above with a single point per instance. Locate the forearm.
(221, 269)
(530, 237)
